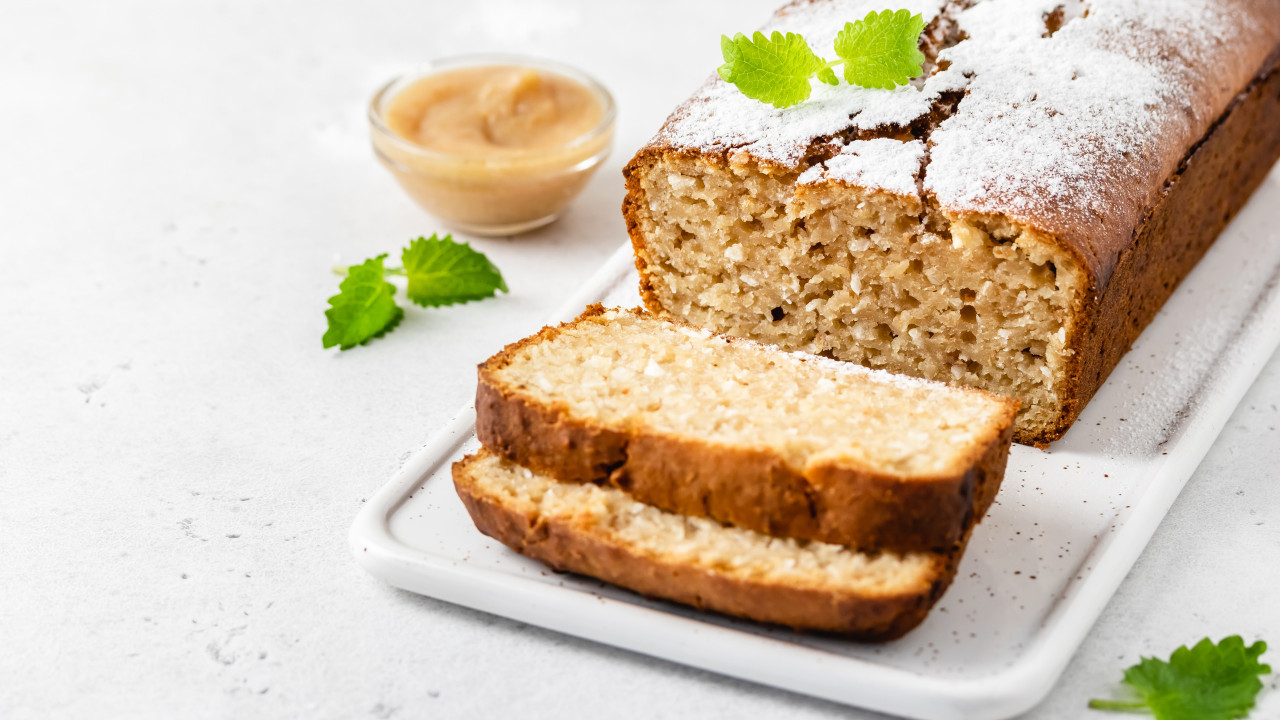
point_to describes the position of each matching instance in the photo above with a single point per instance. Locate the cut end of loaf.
(603, 532)
(884, 279)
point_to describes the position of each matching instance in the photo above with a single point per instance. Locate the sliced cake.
(785, 444)
(603, 532)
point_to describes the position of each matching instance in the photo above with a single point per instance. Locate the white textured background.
(180, 461)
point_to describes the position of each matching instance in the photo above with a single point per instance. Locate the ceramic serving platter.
(1068, 524)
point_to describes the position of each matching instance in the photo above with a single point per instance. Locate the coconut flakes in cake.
(839, 367)
(877, 163)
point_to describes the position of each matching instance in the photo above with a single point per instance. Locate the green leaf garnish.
(439, 272)
(879, 51)
(1205, 682)
(774, 69)
(882, 49)
(364, 307)
(444, 272)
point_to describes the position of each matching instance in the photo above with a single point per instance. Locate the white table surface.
(180, 460)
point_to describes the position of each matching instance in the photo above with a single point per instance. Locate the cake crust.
(1210, 186)
(755, 488)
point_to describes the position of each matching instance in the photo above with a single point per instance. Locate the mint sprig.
(1204, 682)
(878, 51)
(438, 271)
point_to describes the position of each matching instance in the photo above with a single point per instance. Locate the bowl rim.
(382, 97)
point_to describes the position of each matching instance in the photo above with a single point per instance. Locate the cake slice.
(603, 532)
(785, 444)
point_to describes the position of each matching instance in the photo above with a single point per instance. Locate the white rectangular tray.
(1067, 525)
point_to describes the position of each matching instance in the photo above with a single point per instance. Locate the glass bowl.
(504, 193)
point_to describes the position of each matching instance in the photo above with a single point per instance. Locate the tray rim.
(842, 679)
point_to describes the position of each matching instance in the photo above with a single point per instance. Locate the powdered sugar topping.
(877, 163)
(1085, 118)
(718, 117)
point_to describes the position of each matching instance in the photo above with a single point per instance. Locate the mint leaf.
(881, 50)
(1205, 682)
(774, 69)
(878, 51)
(443, 272)
(364, 307)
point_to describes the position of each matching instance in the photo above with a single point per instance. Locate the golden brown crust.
(753, 488)
(1211, 185)
(990, 471)
(570, 547)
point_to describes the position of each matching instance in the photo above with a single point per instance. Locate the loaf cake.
(1011, 220)
(788, 445)
(603, 532)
